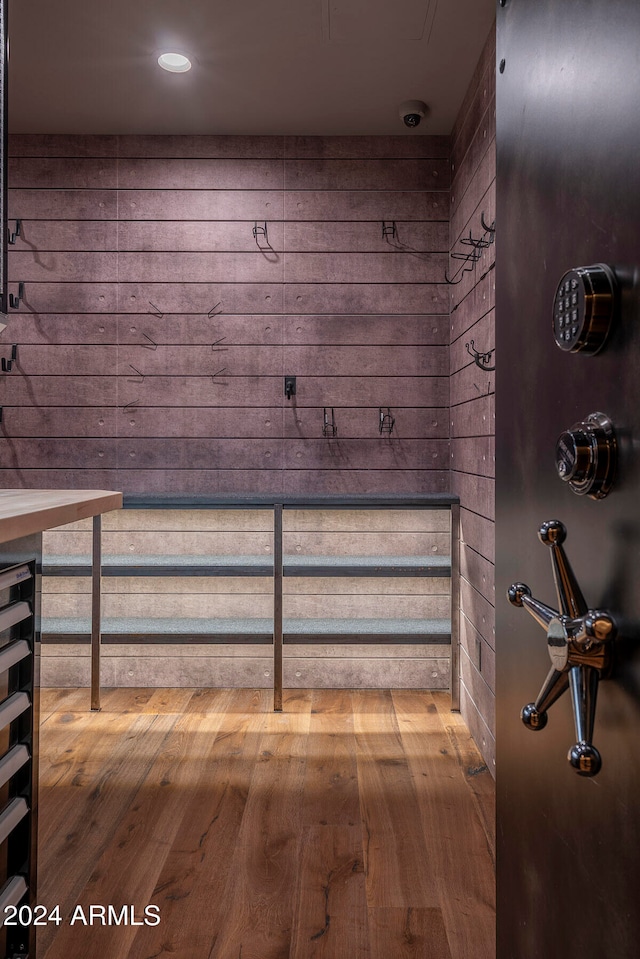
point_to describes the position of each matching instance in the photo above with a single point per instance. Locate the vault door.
(568, 428)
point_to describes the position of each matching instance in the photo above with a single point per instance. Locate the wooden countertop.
(26, 511)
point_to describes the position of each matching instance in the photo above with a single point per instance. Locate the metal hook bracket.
(478, 245)
(389, 229)
(329, 427)
(481, 359)
(12, 237)
(260, 231)
(7, 364)
(387, 421)
(486, 227)
(14, 301)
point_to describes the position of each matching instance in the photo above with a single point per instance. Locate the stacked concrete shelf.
(188, 593)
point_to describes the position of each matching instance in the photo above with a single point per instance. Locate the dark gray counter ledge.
(268, 501)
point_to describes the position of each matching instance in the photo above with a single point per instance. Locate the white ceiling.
(317, 67)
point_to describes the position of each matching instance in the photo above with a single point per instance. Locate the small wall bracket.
(14, 301)
(289, 386)
(481, 359)
(260, 230)
(389, 229)
(386, 421)
(7, 364)
(329, 427)
(12, 237)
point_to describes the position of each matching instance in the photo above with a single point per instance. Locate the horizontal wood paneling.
(478, 533)
(66, 390)
(480, 90)
(364, 173)
(155, 332)
(366, 454)
(263, 360)
(357, 298)
(474, 418)
(482, 734)
(184, 205)
(41, 236)
(472, 408)
(42, 145)
(200, 147)
(476, 492)
(180, 605)
(200, 298)
(181, 173)
(478, 571)
(42, 421)
(70, 173)
(340, 147)
(476, 302)
(367, 330)
(479, 652)
(474, 454)
(67, 297)
(53, 267)
(411, 237)
(383, 204)
(261, 391)
(269, 481)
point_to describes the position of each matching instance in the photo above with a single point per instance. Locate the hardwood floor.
(357, 824)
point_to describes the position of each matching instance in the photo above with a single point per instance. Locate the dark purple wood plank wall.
(473, 166)
(155, 331)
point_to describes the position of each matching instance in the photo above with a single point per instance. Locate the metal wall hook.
(460, 274)
(260, 231)
(485, 225)
(7, 364)
(480, 359)
(214, 311)
(472, 257)
(222, 349)
(479, 244)
(156, 311)
(14, 301)
(387, 421)
(218, 372)
(329, 427)
(131, 366)
(389, 229)
(12, 237)
(154, 345)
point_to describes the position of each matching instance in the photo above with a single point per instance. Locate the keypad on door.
(584, 308)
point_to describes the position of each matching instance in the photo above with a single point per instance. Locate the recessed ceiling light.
(174, 62)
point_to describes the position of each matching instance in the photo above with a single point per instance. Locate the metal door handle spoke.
(579, 644)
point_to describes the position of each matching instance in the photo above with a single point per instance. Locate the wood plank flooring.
(356, 824)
